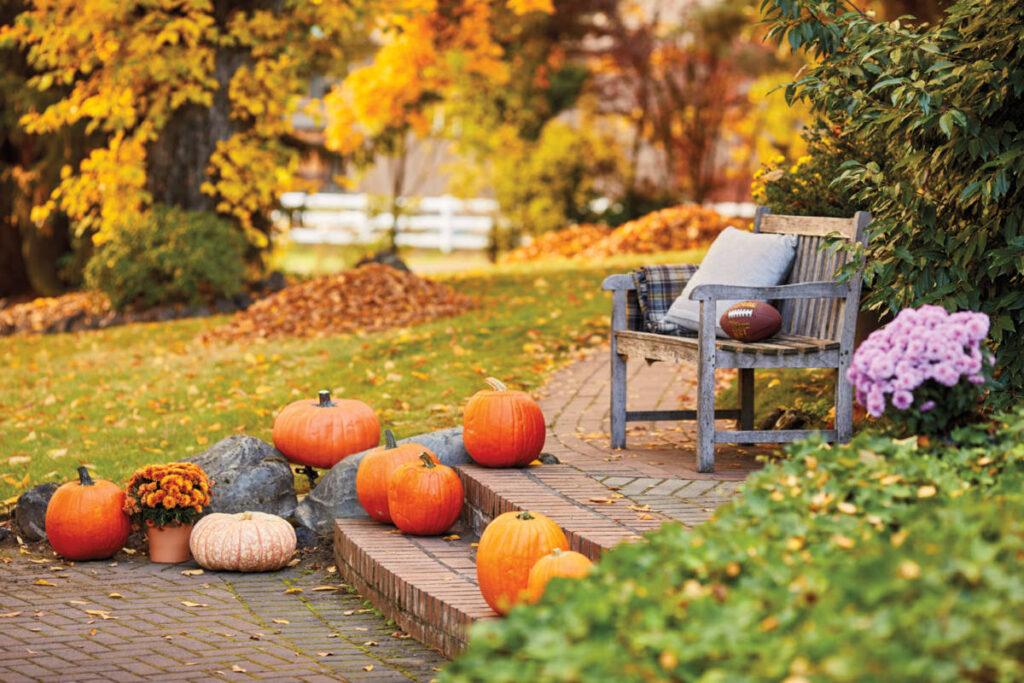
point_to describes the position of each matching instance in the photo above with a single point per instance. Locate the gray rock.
(248, 474)
(334, 496)
(306, 538)
(30, 513)
(5, 533)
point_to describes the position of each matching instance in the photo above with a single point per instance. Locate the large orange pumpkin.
(424, 498)
(565, 563)
(321, 433)
(375, 471)
(509, 547)
(503, 428)
(85, 519)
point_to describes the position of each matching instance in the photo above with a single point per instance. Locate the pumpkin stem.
(325, 399)
(389, 439)
(524, 515)
(496, 384)
(427, 462)
(83, 477)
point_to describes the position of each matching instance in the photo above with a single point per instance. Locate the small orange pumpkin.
(509, 547)
(564, 563)
(85, 519)
(375, 471)
(503, 428)
(424, 498)
(322, 433)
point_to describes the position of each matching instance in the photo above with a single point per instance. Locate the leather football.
(751, 321)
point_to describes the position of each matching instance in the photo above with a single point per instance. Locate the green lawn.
(119, 398)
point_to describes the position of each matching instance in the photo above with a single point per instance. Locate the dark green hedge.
(926, 122)
(872, 561)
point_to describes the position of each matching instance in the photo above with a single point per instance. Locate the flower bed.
(876, 560)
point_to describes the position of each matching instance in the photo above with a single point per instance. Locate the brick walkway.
(134, 621)
(658, 467)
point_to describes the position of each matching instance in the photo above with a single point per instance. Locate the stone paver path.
(658, 467)
(133, 621)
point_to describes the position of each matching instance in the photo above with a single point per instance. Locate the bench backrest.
(821, 318)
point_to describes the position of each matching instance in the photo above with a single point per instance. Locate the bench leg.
(706, 388)
(618, 403)
(746, 388)
(844, 405)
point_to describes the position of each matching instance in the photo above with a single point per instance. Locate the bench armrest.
(618, 283)
(800, 290)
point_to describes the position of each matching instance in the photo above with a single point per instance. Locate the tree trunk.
(178, 159)
(13, 274)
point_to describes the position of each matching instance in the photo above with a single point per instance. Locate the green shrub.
(929, 118)
(807, 186)
(176, 256)
(549, 184)
(872, 561)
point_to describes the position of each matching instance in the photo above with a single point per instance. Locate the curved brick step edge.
(428, 586)
(424, 584)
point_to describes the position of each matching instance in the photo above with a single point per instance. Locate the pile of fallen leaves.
(674, 229)
(564, 243)
(371, 297)
(677, 228)
(47, 315)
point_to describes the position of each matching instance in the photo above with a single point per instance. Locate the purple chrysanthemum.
(921, 344)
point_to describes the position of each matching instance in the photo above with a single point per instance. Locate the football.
(751, 321)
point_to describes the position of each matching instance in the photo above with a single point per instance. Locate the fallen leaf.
(327, 588)
(43, 582)
(281, 621)
(116, 596)
(192, 572)
(293, 590)
(324, 654)
(189, 603)
(238, 669)
(368, 667)
(9, 615)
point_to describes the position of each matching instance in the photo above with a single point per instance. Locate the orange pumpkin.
(503, 428)
(321, 433)
(424, 498)
(509, 547)
(85, 519)
(375, 471)
(565, 563)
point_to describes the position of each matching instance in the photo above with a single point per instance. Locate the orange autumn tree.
(432, 54)
(190, 101)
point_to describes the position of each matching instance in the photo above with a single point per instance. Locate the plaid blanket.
(656, 288)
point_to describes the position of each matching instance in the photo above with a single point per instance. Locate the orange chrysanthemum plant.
(167, 495)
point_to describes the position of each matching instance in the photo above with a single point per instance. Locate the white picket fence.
(445, 223)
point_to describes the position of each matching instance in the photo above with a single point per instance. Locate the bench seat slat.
(780, 345)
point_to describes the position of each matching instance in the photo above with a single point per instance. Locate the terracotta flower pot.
(169, 544)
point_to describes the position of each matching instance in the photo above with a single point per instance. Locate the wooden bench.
(819, 316)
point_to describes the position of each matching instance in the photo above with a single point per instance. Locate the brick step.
(428, 586)
(593, 520)
(425, 584)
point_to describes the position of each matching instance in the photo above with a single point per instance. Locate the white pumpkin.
(242, 542)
